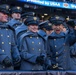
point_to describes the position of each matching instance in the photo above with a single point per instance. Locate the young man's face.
(33, 28)
(16, 15)
(49, 32)
(3, 17)
(64, 29)
(58, 28)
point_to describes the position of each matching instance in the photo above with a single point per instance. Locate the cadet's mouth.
(57, 30)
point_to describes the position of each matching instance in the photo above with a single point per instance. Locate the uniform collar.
(61, 34)
(3, 25)
(41, 32)
(32, 33)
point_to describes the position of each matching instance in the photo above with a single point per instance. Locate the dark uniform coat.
(32, 45)
(8, 47)
(59, 49)
(73, 56)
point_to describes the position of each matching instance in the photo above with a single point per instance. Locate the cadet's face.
(49, 32)
(33, 28)
(58, 28)
(75, 28)
(16, 15)
(64, 29)
(3, 17)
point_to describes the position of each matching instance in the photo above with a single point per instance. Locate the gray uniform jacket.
(8, 47)
(59, 47)
(31, 46)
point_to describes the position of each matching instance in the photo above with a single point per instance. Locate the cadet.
(72, 48)
(15, 17)
(46, 26)
(8, 49)
(23, 28)
(43, 28)
(32, 47)
(59, 44)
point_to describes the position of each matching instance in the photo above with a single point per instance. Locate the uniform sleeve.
(49, 53)
(73, 50)
(26, 55)
(15, 51)
(72, 36)
(2, 56)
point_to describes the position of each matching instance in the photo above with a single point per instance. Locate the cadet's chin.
(5, 21)
(34, 31)
(57, 31)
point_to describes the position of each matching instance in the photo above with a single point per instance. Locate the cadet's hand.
(7, 62)
(40, 60)
(17, 61)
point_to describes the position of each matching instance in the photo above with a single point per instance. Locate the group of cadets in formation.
(33, 45)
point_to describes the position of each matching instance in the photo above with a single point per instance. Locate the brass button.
(56, 57)
(30, 36)
(9, 42)
(2, 42)
(39, 43)
(39, 49)
(56, 52)
(32, 42)
(6, 29)
(2, 50)
(32, 48)
(1, 34)
(54, 39)
(37, 37)
(55, 46)
(7, 35)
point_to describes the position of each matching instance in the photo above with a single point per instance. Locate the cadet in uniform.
(9, 55)
(32, 47)
(23, 28)
(46, 26)
(15, 17)
(72, 48)
(43, 28)
(59, 45)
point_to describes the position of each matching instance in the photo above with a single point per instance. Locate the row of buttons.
(34, 49)
(8, 43)
(32, 37)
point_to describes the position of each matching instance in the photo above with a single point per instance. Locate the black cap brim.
(57, 22)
